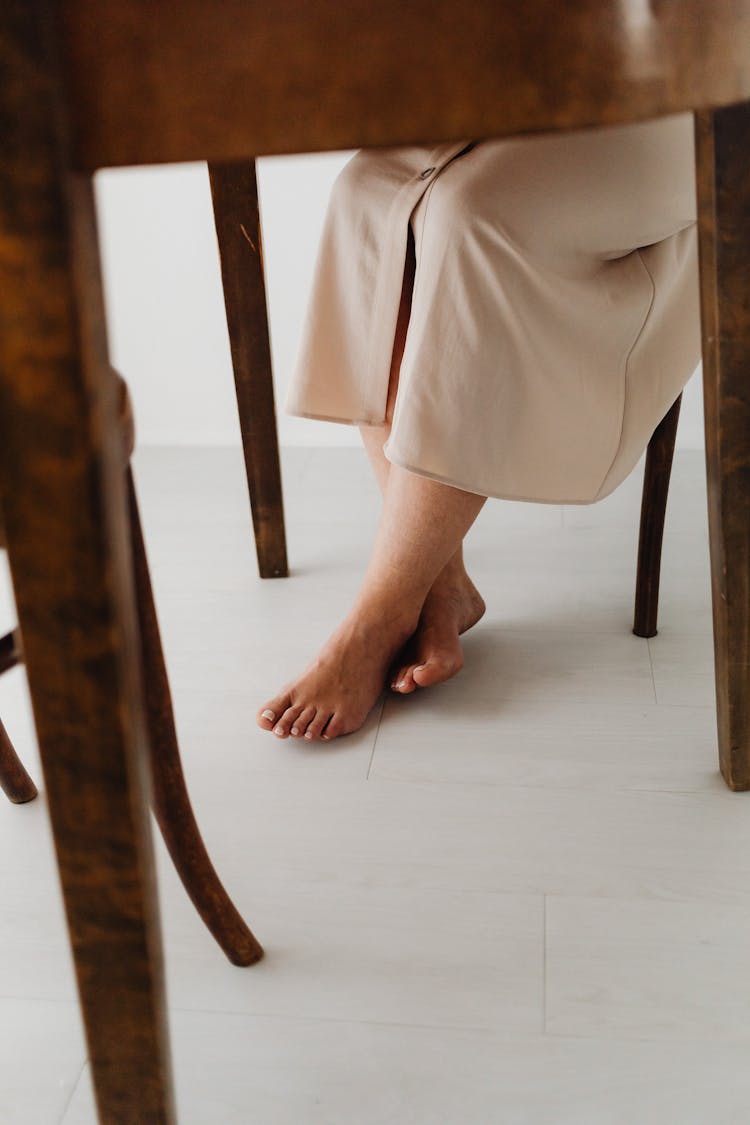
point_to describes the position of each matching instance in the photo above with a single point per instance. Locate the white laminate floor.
(520, 897)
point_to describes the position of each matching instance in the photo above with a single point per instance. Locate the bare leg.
(433, 653)
(421, 528)
(415, 600)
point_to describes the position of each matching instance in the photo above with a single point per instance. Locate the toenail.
(327, 737)
(268, 715)
(278, 730)
(420, 667)
(307, 734)
(295, 730)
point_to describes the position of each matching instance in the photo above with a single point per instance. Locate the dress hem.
(477, 491)
(335, 418)
(441, 479)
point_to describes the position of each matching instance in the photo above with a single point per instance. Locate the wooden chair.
(170, 798)
(234, 191)
(129, 82)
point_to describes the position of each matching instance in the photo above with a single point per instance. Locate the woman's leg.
(422, 525)
(433, 653)
(415, 600)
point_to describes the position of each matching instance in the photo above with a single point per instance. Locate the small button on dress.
(555, 309)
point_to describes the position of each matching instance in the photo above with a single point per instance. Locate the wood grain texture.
(63, 502)
(192, 80)
(656, 474)
(723, 184)
(234, 190)
(171, 802)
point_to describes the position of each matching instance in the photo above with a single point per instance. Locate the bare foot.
(336, 692)
(434, 652)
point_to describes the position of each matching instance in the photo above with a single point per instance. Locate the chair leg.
(234, 190)
(14, 780)
(653, 508)
(9, 655)
(72, 577)
(171, 801)
(723, 183)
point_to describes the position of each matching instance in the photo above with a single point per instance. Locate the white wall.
(165, 308)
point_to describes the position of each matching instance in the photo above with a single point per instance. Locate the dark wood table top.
(200, 80)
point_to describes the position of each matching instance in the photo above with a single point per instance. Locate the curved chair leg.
(171, 801)
(653, 507)
(9, 652)
(14, 779)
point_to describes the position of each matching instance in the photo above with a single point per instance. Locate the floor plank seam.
(544, 964)
(505, 1031)
(73, 1089)
(375, 739)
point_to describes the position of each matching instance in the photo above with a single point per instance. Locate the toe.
(408, 684)
(272, 711)
(405, 658)
(315, 728)
(286, 721)
(301, 723)
(403, 681)
(395, 675)
(334, 727)
(435, 671)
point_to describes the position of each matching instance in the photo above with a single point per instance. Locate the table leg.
(63, 501)
(234, 190)
(723, 183)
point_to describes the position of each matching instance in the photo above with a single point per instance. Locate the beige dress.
(555, 310)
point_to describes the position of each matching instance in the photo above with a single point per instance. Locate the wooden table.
(92, 85)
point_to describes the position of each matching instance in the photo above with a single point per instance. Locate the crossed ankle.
(399, 615)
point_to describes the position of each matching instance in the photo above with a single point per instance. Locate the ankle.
(399, 614)
(453, 578)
